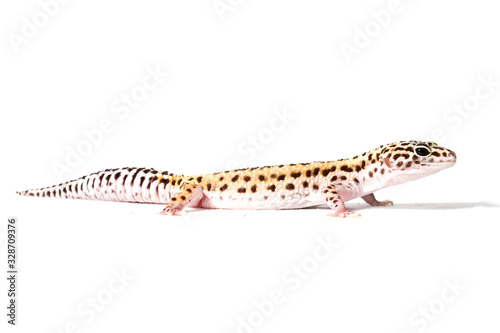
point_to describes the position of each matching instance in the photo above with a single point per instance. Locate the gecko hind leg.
(188, 191)
(370, 199)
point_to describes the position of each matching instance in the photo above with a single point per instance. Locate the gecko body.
(270, 187)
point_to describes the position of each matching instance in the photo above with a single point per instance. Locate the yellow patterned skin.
(311, 184)
(271, 187)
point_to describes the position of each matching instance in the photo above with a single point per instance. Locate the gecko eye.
(422, 151)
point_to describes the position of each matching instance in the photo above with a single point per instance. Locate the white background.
(226, 75)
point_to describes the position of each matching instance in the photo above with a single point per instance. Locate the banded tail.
(138, 185)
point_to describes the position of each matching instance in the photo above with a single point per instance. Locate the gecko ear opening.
(387, 162)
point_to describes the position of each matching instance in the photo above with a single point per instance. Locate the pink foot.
(345, 214)
(170, 212)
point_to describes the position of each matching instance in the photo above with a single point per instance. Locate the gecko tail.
(140, 185)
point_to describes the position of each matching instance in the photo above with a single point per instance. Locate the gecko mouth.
(438, 164)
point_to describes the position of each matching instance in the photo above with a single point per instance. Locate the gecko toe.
(345, 214)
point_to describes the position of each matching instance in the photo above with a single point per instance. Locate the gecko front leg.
(188, 191)
(335, 202)
(370, 199)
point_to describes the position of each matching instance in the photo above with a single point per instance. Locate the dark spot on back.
(346, 168)
(308, 173)
(325, 172)
(242, 190)
(262, 178)
(290, 186)
(305, 184)
(296, 174)
(281, 177)
(316, 171)
(235, 178)
(199, 179)
(223, 188)
(247, 178)
(253, 188)
(271, 188)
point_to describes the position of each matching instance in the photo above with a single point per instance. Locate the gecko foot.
(170, 211)
(383, 203)
(345, 214)
(370, 199)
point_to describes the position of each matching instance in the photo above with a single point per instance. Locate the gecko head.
(416, 159)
